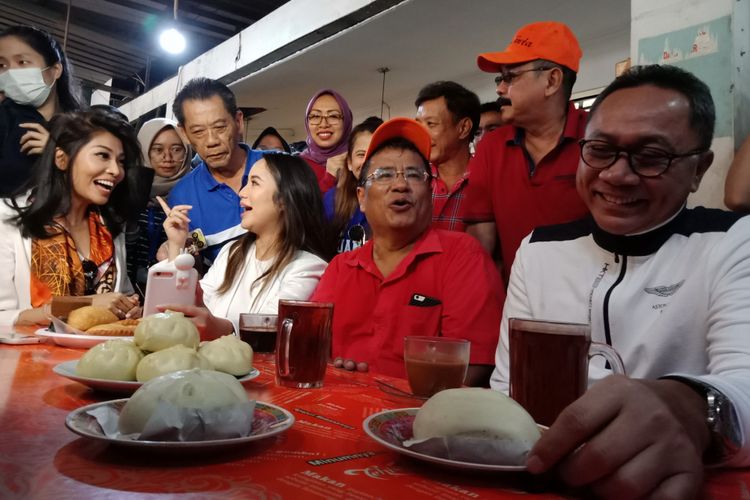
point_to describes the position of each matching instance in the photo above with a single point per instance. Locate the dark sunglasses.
(90, 270)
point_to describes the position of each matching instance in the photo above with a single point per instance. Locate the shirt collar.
(570, 131)
(427, 243)
(640, 244)
(211, 183)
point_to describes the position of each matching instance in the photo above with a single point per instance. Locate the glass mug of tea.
(435, 363)
(259, 330)
(303, 343)
(549, 365)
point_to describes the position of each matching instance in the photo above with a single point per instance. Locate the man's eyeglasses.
(646, 162)
(90, 270)
(388, 175)
(330, 118)
(507, 77)
(176, 152)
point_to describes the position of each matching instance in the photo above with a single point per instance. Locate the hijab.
(315, 152)
(272, 131)
(146, 135)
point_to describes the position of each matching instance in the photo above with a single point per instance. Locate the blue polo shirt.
(216, 207)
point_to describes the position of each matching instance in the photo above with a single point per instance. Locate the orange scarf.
(57, 268)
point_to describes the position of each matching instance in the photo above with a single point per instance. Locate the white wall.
(655, 17)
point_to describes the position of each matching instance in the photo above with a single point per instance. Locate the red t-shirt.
(502, 188)
(325, 180)
(447, 285)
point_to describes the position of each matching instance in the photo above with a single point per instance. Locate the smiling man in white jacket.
(667, 286)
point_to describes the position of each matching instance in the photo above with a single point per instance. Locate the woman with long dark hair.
(282, 256)
(328, 122)
(340, 203)
(36, 79)
(65, 236)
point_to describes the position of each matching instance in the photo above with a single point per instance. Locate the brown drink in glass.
(549, 365)
(303, 343)
(435, 363)
(259, 330)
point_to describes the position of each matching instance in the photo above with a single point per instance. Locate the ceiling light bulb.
(172, 41)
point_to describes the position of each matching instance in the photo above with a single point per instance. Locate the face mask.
(25, 86)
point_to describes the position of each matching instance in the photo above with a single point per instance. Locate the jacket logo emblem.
(664, 290)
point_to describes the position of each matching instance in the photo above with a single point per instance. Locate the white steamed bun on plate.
(110, 360)
(188, 405)
(175, 358)
(162, 330)
(474, 425)
(228, 354)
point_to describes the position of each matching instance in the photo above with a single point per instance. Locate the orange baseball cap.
(409, 129)
(548, 40)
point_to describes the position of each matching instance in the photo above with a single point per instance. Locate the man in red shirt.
(409, 279)
(523, 174)
(451, 114)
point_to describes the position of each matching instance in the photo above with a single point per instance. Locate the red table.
(324, 455)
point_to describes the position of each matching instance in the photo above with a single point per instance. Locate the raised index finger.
(163, 204)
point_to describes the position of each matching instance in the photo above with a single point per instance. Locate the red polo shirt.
(506, 187)
(447, 285)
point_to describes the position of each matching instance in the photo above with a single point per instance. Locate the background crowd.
(417, 225)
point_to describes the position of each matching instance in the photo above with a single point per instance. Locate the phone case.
(171, 283)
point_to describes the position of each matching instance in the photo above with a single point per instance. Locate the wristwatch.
(721, 419)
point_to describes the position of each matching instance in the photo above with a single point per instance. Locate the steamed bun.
(175, 358)
(110, 360)
(162, 330)
(476, 425)
(228, 354)
(196, 394)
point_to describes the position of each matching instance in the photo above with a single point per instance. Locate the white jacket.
(297, 281)
(674, 301)
(15, 268)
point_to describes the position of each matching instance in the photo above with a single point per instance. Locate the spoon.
(396, 391)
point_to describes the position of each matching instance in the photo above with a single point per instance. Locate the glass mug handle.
(608, 353)
(286, 330)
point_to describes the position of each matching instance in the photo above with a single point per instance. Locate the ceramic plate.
(392, 427)
(68, 370)
(268, 420)
(75, 340)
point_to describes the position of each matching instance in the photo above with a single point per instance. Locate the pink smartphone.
(171, 283)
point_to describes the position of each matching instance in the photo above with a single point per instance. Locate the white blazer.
(15, 268)
(297, 281)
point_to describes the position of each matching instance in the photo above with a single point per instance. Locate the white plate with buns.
(391, 428)
(268, 420)
(76, 340)
(68, 370)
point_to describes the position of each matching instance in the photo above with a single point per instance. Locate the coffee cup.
(549, 364)
(435, 363)
(259, 330)
(303, 343)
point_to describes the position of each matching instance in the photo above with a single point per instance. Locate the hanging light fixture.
(171, 40)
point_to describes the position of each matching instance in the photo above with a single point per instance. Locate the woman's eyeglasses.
(176, 152)
(330, 118)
